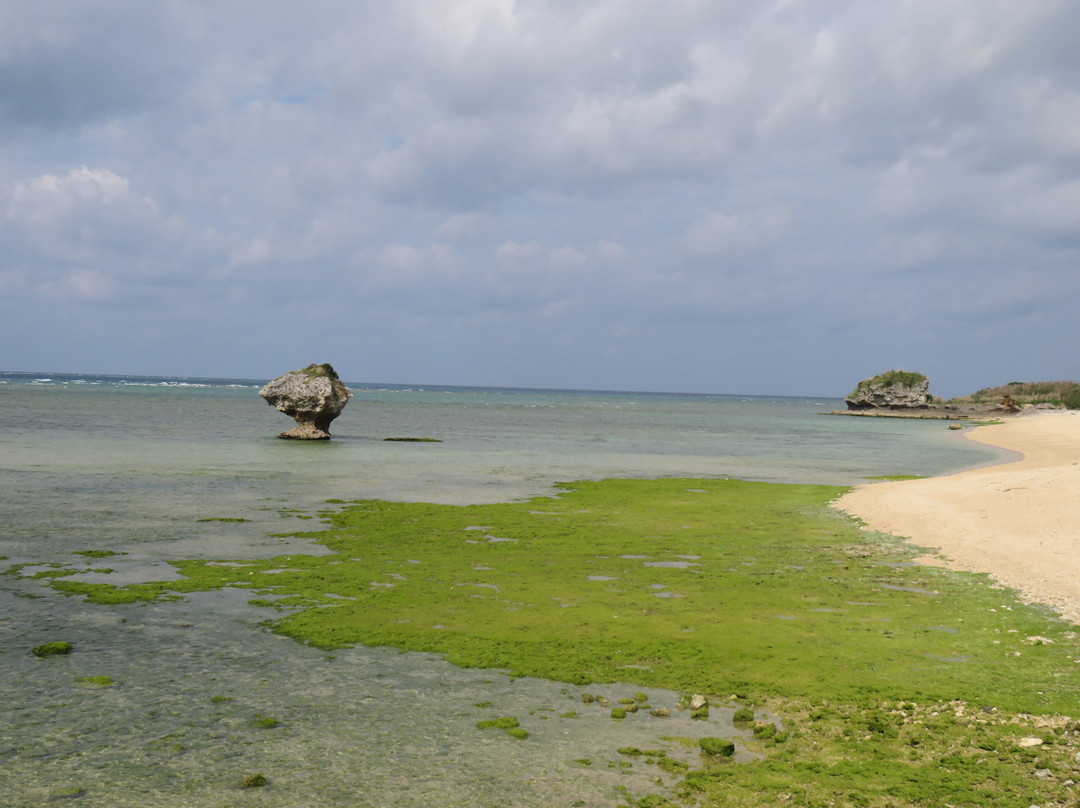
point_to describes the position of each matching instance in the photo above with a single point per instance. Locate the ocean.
(137, 465)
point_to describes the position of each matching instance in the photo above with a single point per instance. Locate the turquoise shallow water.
(132, 465)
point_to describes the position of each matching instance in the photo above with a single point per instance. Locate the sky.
(732, 196)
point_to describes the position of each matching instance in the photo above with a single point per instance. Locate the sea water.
(136, 465)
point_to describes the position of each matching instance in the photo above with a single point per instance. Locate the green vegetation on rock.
(719, 747)
(903, 378)
(743, 715)
(508, 724)
(97, 553)
(95, 681)
(52, 649)
(314, 371)
(254, 781)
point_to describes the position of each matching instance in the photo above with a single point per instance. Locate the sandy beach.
(1018, 521)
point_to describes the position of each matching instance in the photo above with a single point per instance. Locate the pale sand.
(1018, 521)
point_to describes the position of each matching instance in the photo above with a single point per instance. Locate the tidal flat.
(892, 684)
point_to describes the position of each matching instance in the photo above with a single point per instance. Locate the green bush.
(1071, 397)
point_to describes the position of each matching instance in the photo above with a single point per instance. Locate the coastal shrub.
(1056, 393)
(717, 747)
(1071, 397)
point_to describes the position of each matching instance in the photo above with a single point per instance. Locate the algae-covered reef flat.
(897, 684)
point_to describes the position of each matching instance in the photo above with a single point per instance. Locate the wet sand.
(1018, 521)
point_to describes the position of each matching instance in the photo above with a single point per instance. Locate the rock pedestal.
(314, 397)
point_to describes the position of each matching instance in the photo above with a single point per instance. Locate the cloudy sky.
(735, 196)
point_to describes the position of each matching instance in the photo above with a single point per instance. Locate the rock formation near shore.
(894, 390)
(314, 396)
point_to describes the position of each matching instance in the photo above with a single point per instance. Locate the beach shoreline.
(1018, 520)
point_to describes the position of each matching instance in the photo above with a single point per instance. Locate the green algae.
(253, 781)
(780, 595)
(95, 681)
(506, 722)
(49, 649)
(898, 684)
(98, 553)
(66, 793)
(717, 747)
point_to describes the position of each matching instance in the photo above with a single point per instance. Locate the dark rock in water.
(894, 390)
(314, 396)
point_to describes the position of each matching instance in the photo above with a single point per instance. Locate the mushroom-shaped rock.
(314, 396)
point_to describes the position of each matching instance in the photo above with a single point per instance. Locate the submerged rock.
(52, 649)
(314, 396)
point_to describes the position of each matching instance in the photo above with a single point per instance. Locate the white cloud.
(491, 163)
(717, 233)
(39, 200)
